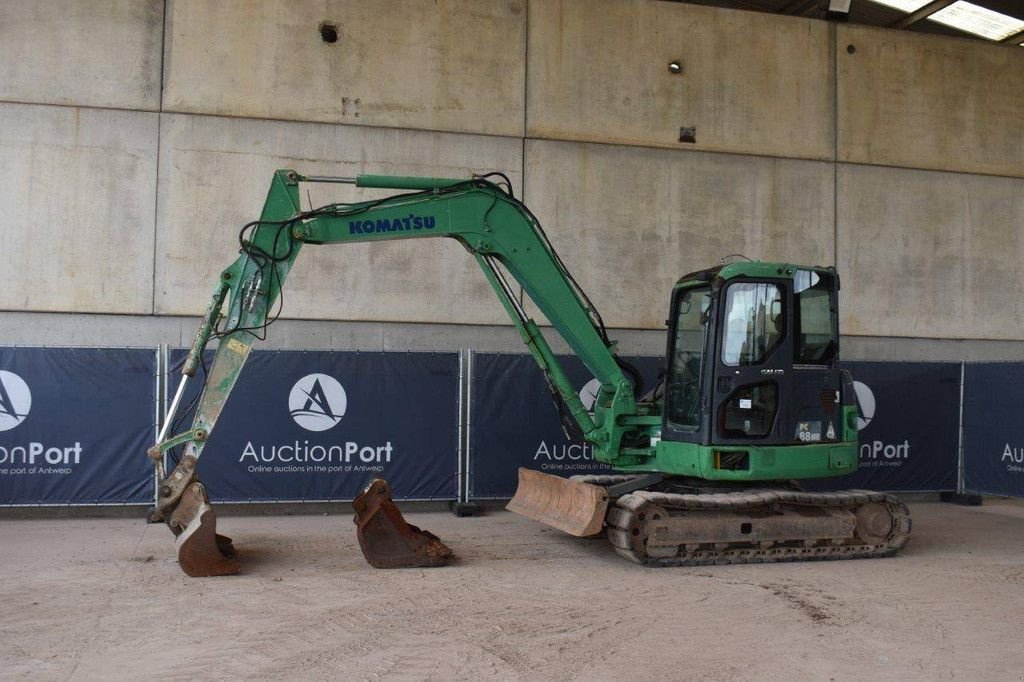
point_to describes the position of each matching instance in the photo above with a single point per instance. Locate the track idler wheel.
(386, 539)
(201, 551)
(874, 523)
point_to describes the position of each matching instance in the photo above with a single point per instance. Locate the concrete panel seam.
(141, 110)
(526, 79)
(163, 55)
(681, 150)
(768, 156)
(856, 164)
(156, 209)
(160, 121)
(441, 131)
(833, 40)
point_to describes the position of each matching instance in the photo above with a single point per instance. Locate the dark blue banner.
(909, 415)
(319, 425)
(514, 422)
(75, 424)
(993, 428)
(909, 427)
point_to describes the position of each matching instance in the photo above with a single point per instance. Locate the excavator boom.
(502, 236)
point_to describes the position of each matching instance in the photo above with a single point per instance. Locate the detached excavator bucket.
(571, 506)
(386, 539)
(201, 551)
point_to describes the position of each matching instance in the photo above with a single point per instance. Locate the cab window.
(754, 323)
(814, 318)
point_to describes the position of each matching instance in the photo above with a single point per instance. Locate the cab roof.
(754, 269)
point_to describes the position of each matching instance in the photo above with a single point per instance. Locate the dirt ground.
(103, 598)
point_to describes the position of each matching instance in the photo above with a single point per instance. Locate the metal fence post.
(961, 496)
(462, 505)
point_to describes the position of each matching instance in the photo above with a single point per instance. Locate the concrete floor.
(103, 598)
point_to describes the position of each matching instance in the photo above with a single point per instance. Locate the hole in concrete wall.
(688, 134)
(329, 33)
(850, 49)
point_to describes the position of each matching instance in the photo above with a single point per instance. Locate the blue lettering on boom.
(411, 222)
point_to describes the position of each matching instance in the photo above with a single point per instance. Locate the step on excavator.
(709, 462)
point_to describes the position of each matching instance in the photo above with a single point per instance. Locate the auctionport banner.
(75, 424)
(994, 429)
(319, 425)
(514, 422)
(909, 415)
(908, 423)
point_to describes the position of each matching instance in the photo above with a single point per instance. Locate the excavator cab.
(752, 361)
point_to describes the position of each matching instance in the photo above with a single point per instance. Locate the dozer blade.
(574, 507)
(386, 539)
(201, 551)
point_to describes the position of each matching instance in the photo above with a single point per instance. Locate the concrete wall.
(637, 218)
(910, 99)
(99, 53)
(442, 65)
(752, 83)
(78, 188)
(931, 254)
(197, 220)
(137, 136)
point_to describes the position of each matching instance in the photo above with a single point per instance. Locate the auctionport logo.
(865, 404)
(588, 394)
(317, 402)
(876, 453)
(15, 400)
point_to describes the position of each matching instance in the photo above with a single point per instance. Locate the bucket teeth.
(574, 507)
(386, 539)
(201, 551)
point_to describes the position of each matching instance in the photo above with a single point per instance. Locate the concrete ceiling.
(875, 14)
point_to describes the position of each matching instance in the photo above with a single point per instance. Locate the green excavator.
(752, 400)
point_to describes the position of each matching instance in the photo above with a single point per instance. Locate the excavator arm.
(500, 233)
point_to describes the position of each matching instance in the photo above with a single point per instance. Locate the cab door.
(817, 382)
(753, 361)
(687, 375)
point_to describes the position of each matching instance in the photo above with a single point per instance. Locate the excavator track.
(753, 526)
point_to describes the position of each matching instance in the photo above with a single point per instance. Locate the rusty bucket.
(201, 551)
(385, 537)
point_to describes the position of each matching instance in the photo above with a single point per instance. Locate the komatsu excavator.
(752, 399)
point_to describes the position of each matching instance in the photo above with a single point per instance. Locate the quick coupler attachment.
(182, 502)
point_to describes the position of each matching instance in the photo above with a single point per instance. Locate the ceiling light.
(905, 5)
(839, 10)
(980, 21)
